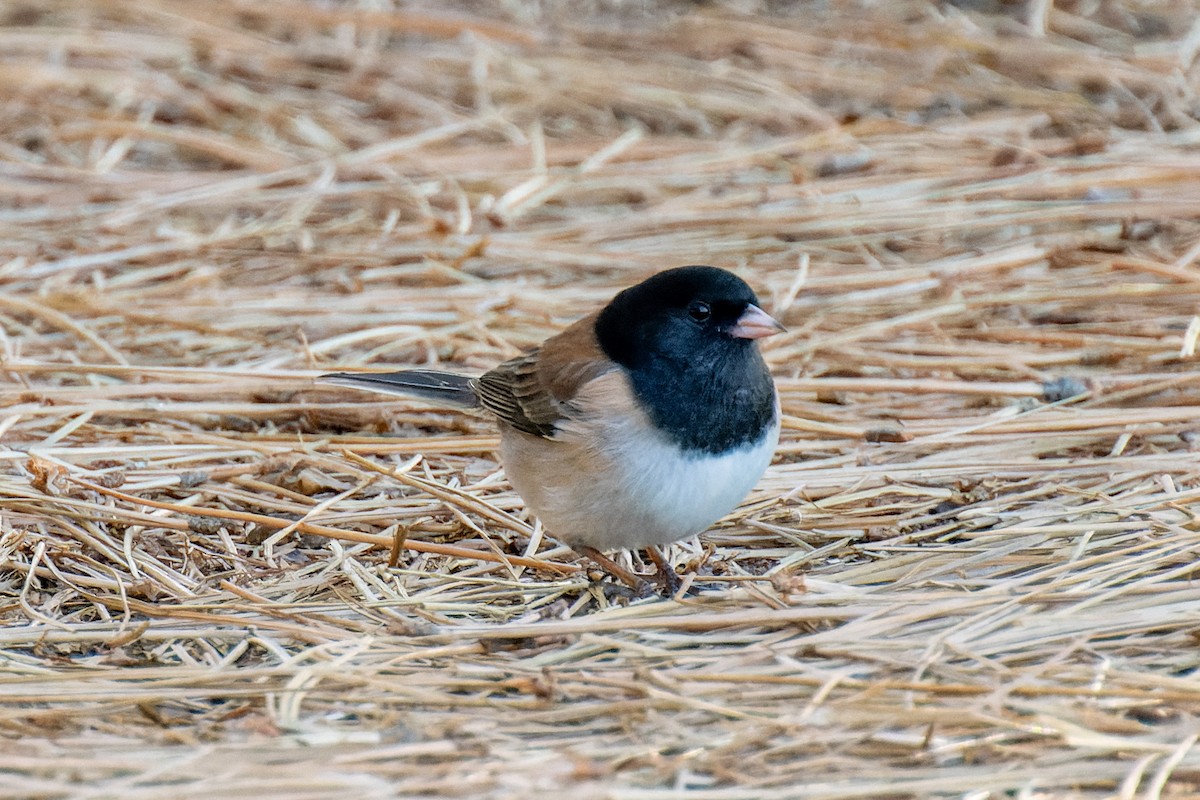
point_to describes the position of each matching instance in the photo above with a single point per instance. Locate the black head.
(686, 338)
(677, 316)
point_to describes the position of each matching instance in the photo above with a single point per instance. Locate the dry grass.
(221, 581)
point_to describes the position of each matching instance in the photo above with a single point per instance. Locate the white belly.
(634, 488)
(669, 496)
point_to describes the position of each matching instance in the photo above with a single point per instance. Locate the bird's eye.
(699, 311)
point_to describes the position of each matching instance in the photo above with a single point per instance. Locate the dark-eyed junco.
(638, 425)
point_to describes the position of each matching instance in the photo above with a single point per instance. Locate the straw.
(970, 571)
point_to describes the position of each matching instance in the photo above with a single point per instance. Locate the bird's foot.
(618, 593)
(666, 575)
(636, 587)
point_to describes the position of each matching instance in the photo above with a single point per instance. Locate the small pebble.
(1062, 388)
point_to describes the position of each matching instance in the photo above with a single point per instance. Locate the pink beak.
(754, 323)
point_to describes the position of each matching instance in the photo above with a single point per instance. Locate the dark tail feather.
(442, 387)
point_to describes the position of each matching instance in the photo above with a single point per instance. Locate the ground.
(968, 573)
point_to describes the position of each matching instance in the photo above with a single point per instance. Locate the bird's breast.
(610, 480)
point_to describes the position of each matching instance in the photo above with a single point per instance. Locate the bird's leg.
(667, 576)
(634, 581)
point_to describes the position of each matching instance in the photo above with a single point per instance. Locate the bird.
(639, 425)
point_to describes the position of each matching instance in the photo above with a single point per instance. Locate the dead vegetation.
(969, 572)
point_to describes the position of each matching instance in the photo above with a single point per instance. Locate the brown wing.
(533, 392)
